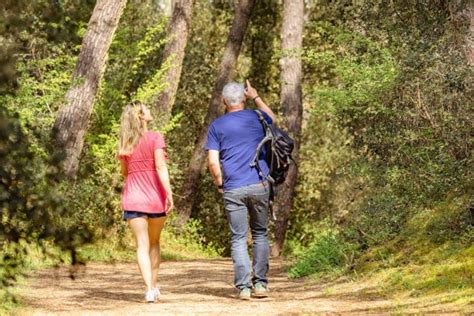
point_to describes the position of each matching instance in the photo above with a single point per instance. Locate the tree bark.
(291, 96)
(469, 12)
(73, 118)
(216, 108)
(177, 33)
(463, 13)
(166, 6)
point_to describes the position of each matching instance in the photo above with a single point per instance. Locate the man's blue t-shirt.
(236, 136)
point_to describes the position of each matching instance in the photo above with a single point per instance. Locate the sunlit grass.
(438, 279)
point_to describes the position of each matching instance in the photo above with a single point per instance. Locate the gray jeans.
(239, 203)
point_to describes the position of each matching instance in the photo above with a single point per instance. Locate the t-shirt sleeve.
(158, 142)
(267, 117)
(212, 142)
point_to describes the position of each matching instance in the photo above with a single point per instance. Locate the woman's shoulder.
(153, 134)
(156, 139)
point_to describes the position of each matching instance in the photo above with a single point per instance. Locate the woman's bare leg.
(155, 225)
(139, 228)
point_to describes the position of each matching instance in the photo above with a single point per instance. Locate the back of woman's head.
(132, 127)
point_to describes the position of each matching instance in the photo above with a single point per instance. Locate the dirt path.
(189, 287)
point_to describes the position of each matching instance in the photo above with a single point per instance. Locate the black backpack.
(278, 147)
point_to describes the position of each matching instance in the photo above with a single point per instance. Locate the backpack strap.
(255, 163)
(262, 120)
(268, 137)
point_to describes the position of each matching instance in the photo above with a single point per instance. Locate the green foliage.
(190, 242)
(327, 254)
(361, 71)
(385, 158)
(384, 142)
(210, 212)
(150, 44)
(42, 84)
(31, 211)
(261, 47)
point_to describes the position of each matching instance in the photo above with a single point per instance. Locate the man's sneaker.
(244, 294)
(156, 290)
(150, 296)
(260, 290)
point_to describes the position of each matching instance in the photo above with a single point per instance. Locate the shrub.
(327, 254)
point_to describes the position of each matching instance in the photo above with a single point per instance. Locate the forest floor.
(203, 287)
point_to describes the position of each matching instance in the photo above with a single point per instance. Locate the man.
(232, 141)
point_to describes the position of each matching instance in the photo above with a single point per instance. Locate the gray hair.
(233, 93)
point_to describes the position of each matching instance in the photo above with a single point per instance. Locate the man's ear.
(225, 103)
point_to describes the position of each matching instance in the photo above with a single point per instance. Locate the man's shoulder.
(234, 117)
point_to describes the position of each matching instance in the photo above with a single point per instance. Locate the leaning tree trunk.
(73, 119)
(216, 108)
(292, 108)
(469, 12)
(462, 13)
(177, 33)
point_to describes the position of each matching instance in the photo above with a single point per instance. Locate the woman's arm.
(162, 171)
(123, 168)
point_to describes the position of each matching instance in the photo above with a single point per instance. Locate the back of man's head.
(233, 93)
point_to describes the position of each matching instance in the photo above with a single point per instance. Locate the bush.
(32, 211)
(327, 254)
(386, 134)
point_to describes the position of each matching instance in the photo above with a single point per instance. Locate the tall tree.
(291, 97)
(227, 67)
(166, 6)
(468, 12)
(177, 34)
(73, 118)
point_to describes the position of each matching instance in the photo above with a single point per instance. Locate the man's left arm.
(215, 168)
(252, 93)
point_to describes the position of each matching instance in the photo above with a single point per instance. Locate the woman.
(147, 197)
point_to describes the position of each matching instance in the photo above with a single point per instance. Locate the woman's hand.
(169, 206)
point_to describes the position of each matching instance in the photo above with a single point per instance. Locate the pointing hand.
(250, 92)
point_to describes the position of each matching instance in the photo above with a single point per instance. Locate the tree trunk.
(73, 118)
(216, 108)
(292, 108)
(166, 6)
(463, 13)
(177, 33)
(469, 12)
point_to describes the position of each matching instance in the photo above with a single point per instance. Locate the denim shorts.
(135, 214)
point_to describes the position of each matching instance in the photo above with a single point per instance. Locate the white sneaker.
(150, 296)
(156, 291)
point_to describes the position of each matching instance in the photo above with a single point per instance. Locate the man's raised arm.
(252, 93)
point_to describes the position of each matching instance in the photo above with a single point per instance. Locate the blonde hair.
(132, 127)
